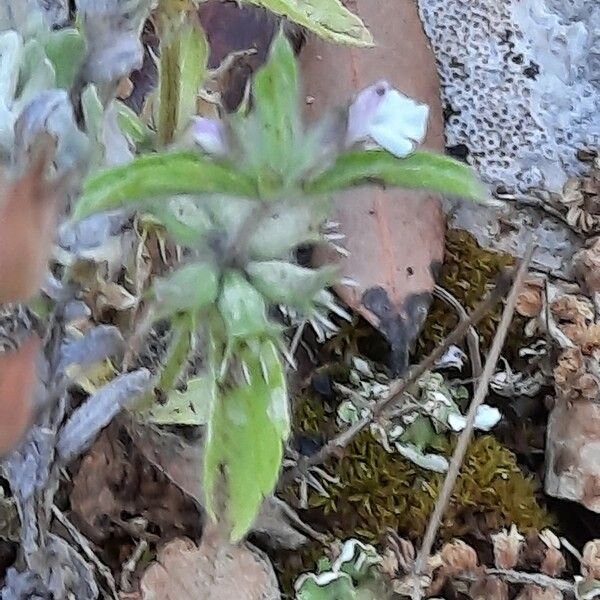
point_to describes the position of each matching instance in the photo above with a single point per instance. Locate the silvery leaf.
(95, 345)
(431, 462)
(112, 30)
(51, 112)
(97, 412)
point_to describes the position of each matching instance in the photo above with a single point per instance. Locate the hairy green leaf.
(37, 72)
(242, 308)
(244, 449)
(336, 589)
(186, 221)
(327, 18)
(286, 283)
(131, 125)
(421, 170)
(66, 50)
(187, 289)
(276, 102)
(286, 226)
(159, 175)
(191, 407)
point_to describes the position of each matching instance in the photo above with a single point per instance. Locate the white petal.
(403, 115)
(487, 417)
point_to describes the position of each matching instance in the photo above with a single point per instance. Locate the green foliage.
(155, 175)
(65, 49)
(244, 443)
(244, 213)
(327, 18)
(421, 170)
(352, 576)
(200, 282)
(182, 70)
(191, 407)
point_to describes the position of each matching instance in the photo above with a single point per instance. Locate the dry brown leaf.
(586, 266)
(17, 382)
(28, 214)
(590, 563)
(554, 562)
(507, 547)
(458, 558)
(530, 299)
(573, 434)
(535, 592)
(573, 379)
(489, 588)
(232, 27)
(395, 238)
(116, 485)
(214, 572)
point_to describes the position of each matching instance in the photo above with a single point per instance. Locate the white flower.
(383, 115)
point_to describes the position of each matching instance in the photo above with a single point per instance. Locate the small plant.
(353, 575)
(240, 208)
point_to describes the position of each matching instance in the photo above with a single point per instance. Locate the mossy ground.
(379, 490)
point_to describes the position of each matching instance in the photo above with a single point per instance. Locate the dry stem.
(465, 436)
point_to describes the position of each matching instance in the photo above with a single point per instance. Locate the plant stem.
(169, 18)
(179, 350)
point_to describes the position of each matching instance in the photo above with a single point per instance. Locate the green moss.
(467, 273)
(378, 490)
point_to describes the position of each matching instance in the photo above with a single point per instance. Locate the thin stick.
(463, 440)
(472, 335)
(86, 548)
(398, 388)
(520, 577)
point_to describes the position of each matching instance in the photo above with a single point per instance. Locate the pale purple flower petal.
(383, 115)
(363, 110)
(209, 134)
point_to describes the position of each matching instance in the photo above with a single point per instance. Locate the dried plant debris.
(579, 202)
(522, 567)
(215, 571)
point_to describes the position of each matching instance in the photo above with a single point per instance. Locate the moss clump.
(467, 273)
(378, 490)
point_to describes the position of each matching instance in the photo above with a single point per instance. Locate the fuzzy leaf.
(276, 98)
(286, 227)
(286, 283)
(244, 442)
(186, 221)
(421, 170)
(242, 308)
(157, 175)
(187, 289)
(327, 18)
(182, 69)
(66, 50)
(191, 407)
(37, 72)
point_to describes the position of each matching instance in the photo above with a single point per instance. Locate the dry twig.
(86, 548)
(480, 394)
